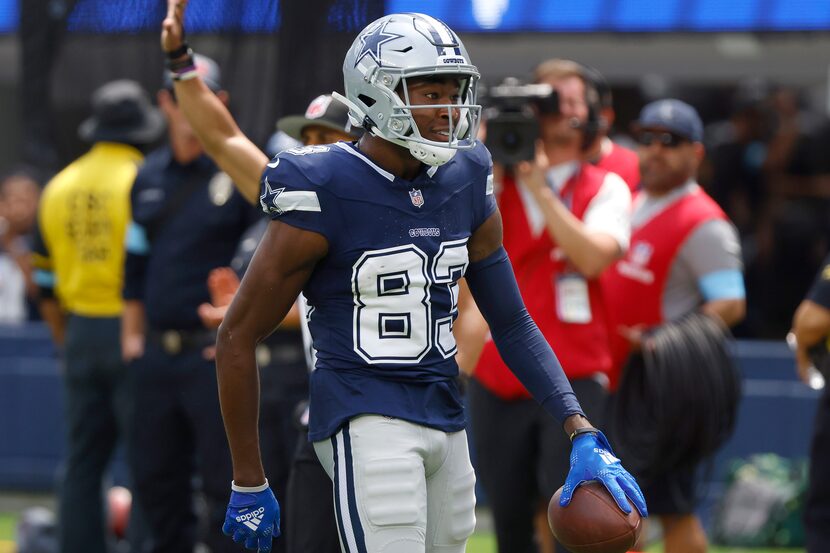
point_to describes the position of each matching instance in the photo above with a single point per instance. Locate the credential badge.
(416, 197)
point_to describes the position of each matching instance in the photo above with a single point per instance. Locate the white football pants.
(400, 487)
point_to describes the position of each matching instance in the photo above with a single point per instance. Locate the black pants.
(179, 439)
(312, 527)
(817, 510)
(97, 414)
(523, 457)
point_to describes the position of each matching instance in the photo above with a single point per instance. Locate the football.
(592, 522)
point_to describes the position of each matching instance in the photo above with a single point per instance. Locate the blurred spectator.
(19, 195)
(810, 333)
(187, 220)
(765, 171)
(288, 457)
(794, 238)
(684, 256)
(604, 152)
(565, 221)
(79, 260)
(737, 150)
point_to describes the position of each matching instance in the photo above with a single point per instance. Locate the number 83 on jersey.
(395, 317)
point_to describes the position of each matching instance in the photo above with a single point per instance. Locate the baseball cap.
(208, 70)
(122, 112)
(321, 111)
(673, 115)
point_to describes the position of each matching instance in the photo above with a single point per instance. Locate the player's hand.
(253, 518)
(592, 459)
(172, 28)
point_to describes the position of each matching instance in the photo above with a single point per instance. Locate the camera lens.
(511, 141)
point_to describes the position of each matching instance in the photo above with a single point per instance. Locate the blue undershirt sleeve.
(137, 245)
(518, 339)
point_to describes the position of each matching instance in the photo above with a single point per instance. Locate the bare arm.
(590, 252)
(282, 265)
(53, 315)
(811, 324)
(222, 139)
(730, 311)
(132, 330)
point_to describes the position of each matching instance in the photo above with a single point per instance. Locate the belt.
(174, 342)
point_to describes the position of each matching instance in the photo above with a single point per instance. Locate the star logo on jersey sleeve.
(372, 42)
(268, 199)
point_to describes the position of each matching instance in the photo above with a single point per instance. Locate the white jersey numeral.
(393, 310)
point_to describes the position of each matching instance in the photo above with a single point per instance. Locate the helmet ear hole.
(367, 101)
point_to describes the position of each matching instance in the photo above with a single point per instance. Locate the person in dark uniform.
(809, 336)
(187, 220)
(308, 520)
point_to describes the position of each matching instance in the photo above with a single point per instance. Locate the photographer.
(604, 152)
(565, 222)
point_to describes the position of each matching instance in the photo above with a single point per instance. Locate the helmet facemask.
(378, 95)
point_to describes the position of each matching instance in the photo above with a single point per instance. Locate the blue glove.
(253, 517)
(592, 459)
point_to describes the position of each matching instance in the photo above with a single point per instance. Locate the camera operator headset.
(602, 151)
(565, 221)
(594, 125)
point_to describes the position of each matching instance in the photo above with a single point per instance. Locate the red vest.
(634, 285)
(581, 348)
(623, 162)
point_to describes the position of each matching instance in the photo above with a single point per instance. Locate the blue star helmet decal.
(372, 41)
(269, 196)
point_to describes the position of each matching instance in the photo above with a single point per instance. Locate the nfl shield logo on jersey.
(416, 197)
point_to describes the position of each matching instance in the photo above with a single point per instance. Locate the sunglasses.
(667, 139)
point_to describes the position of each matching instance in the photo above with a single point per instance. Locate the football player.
(377, 233)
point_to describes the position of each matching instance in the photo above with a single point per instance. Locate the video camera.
(512, 118)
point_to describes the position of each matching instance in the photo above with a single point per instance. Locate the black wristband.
(180, 64)
(179, 52)
(586, 430)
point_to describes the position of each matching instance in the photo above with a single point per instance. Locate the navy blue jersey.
(383, 300)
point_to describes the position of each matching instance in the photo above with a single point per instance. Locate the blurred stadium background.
(276, 55)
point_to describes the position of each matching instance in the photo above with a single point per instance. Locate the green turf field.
(484, 543)
(7, 532)
(6, 526)
(479, 543)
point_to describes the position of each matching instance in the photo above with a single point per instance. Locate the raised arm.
(222, 139)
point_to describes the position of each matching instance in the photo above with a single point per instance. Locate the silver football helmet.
(403, 46)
